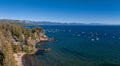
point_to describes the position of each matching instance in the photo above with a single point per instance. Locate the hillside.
(16, 39)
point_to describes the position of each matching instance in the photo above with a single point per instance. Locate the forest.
(14, 39)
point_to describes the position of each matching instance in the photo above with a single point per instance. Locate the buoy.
(93, 39)
(97, 38)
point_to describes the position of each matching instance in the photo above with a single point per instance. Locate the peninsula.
(15, 41)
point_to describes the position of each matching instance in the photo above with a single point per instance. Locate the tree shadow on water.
(40, 52)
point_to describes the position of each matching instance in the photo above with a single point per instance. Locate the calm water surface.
(81, 46)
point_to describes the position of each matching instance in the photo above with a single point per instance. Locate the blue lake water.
(81, 46)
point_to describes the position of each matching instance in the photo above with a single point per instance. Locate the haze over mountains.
(43, 22)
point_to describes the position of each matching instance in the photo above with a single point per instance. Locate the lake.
(81, 46)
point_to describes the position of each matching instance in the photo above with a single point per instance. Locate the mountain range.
(42, 22)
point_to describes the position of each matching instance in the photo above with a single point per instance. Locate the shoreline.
(30, 60)
(18, 58)
(24, 59)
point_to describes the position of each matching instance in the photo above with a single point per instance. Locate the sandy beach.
(18, 58)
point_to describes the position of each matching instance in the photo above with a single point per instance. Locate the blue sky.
(79, 11)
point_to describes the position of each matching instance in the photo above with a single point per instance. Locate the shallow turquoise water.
(81, 46)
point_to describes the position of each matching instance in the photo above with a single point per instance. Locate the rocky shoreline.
(18, 58)
(30, 59)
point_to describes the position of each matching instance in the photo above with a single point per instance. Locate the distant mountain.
(58, 23)
(17, 22)
(28, 22)
(97, 24)
(51, 23)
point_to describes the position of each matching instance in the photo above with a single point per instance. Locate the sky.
(65, 11)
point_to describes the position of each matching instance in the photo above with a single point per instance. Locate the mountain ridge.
(43, 22)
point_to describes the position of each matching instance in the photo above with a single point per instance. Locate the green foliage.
(28, 49)
(17, 48)
(38, 30)
(6, 55)
(27, 33)
(1, 58)
(20, 38)
(10, 35)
